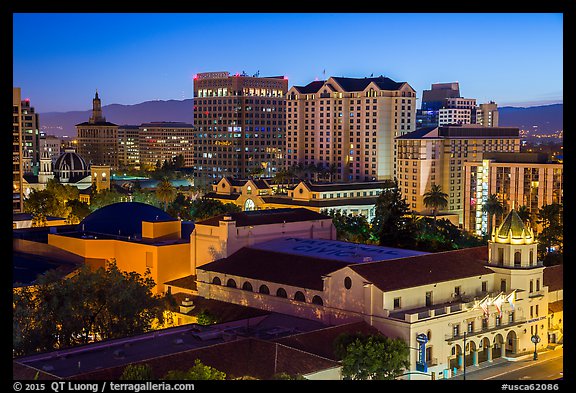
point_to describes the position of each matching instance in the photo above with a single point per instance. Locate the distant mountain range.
(547, 118)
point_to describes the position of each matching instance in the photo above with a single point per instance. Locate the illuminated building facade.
(436, 155)
(240, 125)
(349, 124)
(128, 146)
(518, 179)
(494, 297)
(30, 138)
(97, 139)
(347, 198)
(163, 141)
(17, 180)
(138, 236)
(487, 114)
(50, 146)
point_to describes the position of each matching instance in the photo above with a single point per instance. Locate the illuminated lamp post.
(535, 339)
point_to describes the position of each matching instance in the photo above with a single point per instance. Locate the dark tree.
(392, 224)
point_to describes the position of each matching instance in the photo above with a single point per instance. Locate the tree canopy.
(198, 372)
(372, 357)
(203, 208)
(89, 305)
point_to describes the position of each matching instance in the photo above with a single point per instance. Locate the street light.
(535, 339)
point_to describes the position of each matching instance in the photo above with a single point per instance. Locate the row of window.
(280, 292)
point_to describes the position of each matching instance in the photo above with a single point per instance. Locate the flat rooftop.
(119, 352)
(334, 250)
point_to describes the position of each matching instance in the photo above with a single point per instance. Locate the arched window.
(216, 281)
(231, 283)
(247, 286)
(264, 289)
(249, 205)
(317, 300)
(281, 292)
(429, 335)
(299, 296)
(517, 259)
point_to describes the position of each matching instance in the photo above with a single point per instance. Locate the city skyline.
(132, 58)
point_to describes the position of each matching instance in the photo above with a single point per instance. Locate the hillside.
(547, 118)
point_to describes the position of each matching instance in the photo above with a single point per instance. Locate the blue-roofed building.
(138, 236)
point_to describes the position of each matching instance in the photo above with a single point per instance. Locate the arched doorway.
(511, 343)
(455, 357)
(471, 353)
(484, 347)
(249, 205)
(497, 346)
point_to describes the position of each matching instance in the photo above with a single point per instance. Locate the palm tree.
(332, 171)
(165, 192)
(492, 206)
(525, 214)
(435, 199)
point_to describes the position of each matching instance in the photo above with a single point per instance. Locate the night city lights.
(270, 196)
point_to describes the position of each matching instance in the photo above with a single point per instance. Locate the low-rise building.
(138, 236)
(496, 297)
(347, 198)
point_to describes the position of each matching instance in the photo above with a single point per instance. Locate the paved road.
(549, 366)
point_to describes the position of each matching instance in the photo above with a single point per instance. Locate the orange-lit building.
(138, 236)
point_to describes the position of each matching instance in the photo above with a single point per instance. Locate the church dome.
(70, 167)
(513, 231)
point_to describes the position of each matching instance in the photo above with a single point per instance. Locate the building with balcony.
(349, 124)
(496, 297)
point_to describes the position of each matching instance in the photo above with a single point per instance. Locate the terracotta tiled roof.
(265, 217)
(188, 282)
(321, 342)
(554, 277)
(425, 269)
(248, 357)
(556, 306)
(289, 269)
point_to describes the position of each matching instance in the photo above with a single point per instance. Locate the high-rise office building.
(17, 194)
(97, 139)
(30, 138)
(349, 124)
(239, 125)
(436, 155)
(164, 141)
(518, 179)
(128, 147)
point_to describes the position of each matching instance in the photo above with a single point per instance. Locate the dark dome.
(122, 218)
(70, 167)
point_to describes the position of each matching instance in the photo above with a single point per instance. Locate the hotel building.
(98, 139)
(163, 141)
(17, 180)
(350, 123)
(240, 125)
(436, 155)
(517, 179)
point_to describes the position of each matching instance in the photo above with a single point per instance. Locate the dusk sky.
(61, 59)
